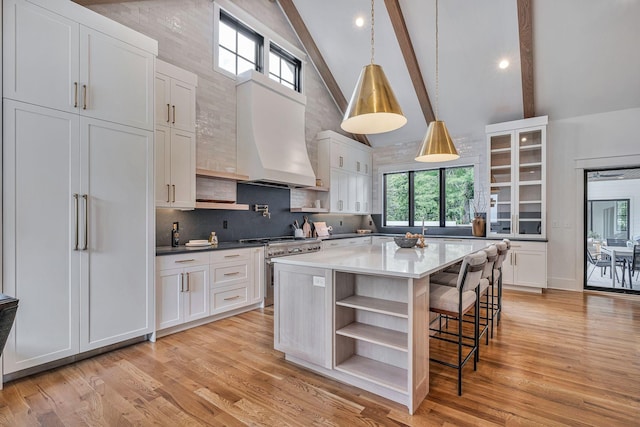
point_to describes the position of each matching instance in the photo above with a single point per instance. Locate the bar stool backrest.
(635, 262)
(503, 248)
(508, 242)
(471, 271)
(492, 257)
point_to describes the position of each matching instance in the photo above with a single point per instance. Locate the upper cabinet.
(73, 68)
(344, 165)
(517, 178)
(175, 145)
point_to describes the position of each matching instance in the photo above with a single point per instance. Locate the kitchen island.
(360, 314)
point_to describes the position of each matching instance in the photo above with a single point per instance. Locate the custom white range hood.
(271, 133)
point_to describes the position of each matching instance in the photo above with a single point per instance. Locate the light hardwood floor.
(560, 358)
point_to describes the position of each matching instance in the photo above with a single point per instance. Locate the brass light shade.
(373, 107)
(437, 145)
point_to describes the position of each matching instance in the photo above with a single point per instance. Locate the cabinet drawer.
(223, 274)
(528, 246)
(230, 255)
(183, 260)
(229, 297)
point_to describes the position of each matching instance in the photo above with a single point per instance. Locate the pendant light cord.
(372, 19)
(437, 80)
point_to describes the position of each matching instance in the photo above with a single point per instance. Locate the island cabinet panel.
(303, 313)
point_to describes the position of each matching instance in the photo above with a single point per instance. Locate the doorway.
(612, 229)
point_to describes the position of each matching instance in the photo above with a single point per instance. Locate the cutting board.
(306, 228)
(321, 229)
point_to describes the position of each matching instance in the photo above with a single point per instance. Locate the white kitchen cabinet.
(175, 147)
(60, 63)
(526, 265)
(175, 159)
(77, 181)
(517, 178)
(345, 166)
(341, 243)
(237, 278)
(95, 236)
(182, 292)
(303, 313)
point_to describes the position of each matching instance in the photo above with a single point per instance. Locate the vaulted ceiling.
(584, 58)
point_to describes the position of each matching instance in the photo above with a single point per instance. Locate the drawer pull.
(185, 260)
(232, 256)
(232, 298)
(235, 273)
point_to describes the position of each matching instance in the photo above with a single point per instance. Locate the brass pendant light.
(437, 145)
(373, 107)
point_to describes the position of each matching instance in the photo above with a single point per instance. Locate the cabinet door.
(43, 50)
(119, 80)
(303, 313)
(501, 159)
(508, 268)
(529, 207)
(183, 106)
(196, 295)
(41, 268)
(256, 275)
(183, 169)
(162, 154)
(361, 193)
(169, 298)
(366, 196)
(530, 269)
(116, 288)
(339, 191)
(338, 153)
(163, 100)
(352, 193)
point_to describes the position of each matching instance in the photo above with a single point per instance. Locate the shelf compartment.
(376, 335)
(376, 305)
(376, 372)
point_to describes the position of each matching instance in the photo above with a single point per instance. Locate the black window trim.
(442, 195)
(231, 21)
(283, 55)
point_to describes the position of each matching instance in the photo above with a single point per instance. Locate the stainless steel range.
(277, 247)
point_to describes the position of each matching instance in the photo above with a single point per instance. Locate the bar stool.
(454, 300)
(503, 249)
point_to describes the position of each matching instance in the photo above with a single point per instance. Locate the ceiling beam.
(90, 2)
(410, 59)
(298, 25)
(525, 30)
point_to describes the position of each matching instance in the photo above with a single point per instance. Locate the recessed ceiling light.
(523, 139)
(359, 21)
(503, 64)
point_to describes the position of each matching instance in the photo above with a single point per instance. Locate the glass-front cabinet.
(517, 153)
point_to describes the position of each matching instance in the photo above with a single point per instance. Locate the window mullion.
(411, 199)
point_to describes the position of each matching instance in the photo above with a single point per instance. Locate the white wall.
(593, 141)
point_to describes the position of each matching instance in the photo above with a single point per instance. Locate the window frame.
(258, 55)
(254, 25)
(442, 196)
(287, 57)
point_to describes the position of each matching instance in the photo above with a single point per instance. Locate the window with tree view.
(439, 197)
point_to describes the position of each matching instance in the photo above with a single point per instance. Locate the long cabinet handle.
(515, 259)
(186, 260)
(174, 193)
(232, 298)
(235, 273)
(168, 193)
(232, 256)
(174, 114)
(77, 221)
(181, 282)
(75, 94)
(84, 97)
(188, 286)
(168, 113)
(86, 222)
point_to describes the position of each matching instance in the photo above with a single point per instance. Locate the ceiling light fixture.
(373, 107)
(359, 21)
(503, 64)
(437, 145)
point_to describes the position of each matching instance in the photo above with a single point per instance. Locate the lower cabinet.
(198, 285)
(182, 293)
(302, 320)
(526, 265)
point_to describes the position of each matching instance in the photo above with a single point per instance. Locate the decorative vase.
(478, 227)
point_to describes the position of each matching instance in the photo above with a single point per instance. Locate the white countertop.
(387, 259)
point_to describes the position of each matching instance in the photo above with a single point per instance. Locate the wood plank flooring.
(561, 358)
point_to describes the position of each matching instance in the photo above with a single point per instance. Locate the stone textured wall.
(184, 30)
